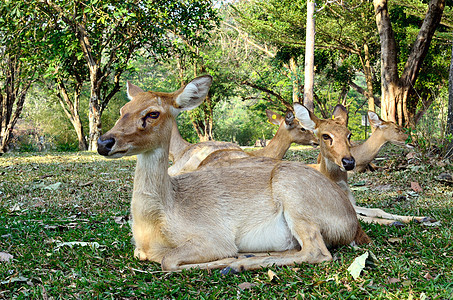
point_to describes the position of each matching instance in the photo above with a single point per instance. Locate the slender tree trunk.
(94, 113)
(94, 116)
(368, 78)
(294, 78)
(71, 109)
(309, 56)
(449, 130)
(389, 70)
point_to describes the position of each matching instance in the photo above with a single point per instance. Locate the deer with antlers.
(337, 158)
(205, 219)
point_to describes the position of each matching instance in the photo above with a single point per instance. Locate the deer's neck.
(178, 145)
(277, 147)
(152, 184)
(332, 171)
(366, 152)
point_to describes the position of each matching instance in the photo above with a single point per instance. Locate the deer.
(289, 131)
(337, 157)
(284, 212)
(384, 132)
(189, 157)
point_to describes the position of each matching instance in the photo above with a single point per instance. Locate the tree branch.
(270, 92)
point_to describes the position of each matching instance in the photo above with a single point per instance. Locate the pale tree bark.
(309, 56)
(395, 88)
(449, 130)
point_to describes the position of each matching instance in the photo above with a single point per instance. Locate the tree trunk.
(94, 114)
(294, 78)
(449, 129)
(309, 56)
(368, 78)
(14, 96)
(71, 109)
(396, 89)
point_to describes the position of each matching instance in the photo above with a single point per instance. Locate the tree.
(449, 130)
(348, 31)
(397, 88)
(109, 33)
(309, 56)
(19, 38)
(66, 75)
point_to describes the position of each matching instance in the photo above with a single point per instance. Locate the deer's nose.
(105, 145)
(348, 163)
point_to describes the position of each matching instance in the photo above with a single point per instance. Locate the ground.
(65, 234)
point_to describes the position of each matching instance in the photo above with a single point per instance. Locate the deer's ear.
(133, 90)
(306, 118)
(289, 118)
(340, 114)
(374, 119)
(273, 117)
(193, 93)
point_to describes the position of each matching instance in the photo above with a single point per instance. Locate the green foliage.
(431, 135)
(237, 121)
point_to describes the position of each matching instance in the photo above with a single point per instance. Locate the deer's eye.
(153, 115)
(326, 137)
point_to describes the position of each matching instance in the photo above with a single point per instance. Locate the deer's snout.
(348, 163)
(105, 145)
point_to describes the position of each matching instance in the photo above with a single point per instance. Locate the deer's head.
(145, 122)
(333, 135)
(294, 130)
(392, 132)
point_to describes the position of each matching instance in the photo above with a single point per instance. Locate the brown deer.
(289, 131)
(384, 132)
(337, 159)
(189, 157)
(205, 219)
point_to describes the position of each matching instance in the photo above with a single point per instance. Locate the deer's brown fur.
(206, 218)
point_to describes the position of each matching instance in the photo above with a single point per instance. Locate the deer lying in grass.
(337, 159)
(189, 157)
(383, 133)
(204, 219)
(289, 131)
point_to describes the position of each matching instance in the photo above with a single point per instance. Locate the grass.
(49, 199)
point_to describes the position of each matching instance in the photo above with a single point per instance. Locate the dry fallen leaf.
(428, 276)
(393, 280)
(272, 275)
(246, 286)
(6, 257)
(416, 187)
(411, 155)
(395, 240)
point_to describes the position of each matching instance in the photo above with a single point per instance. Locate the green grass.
(46, 199)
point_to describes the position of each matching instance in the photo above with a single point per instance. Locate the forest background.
(64, 65)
